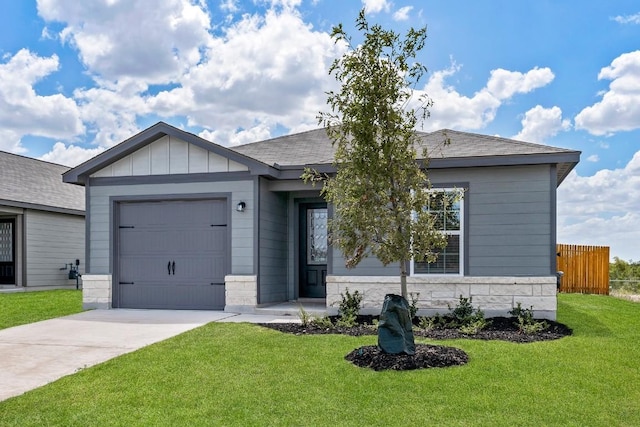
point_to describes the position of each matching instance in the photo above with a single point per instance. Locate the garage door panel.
(192, 235)
(192, 297)
(158, 240)
(184, 268)
(200, 268)
(161, 241)
(144, 268)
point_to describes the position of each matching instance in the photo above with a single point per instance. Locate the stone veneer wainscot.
(496, 296)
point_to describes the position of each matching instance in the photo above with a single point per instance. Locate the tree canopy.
(378, 191)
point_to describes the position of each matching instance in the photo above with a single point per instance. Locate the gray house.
(41, 224)
(175, 221)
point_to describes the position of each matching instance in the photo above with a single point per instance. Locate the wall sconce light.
(240, 207)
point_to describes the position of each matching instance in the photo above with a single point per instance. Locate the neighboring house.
(41, 224)
(175, 221)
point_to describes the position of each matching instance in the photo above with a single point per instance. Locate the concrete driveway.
(38, 353)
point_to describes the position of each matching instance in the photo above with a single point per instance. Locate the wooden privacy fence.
(585, 268)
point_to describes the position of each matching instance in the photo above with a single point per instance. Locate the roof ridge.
(502, 138)
(278, 137)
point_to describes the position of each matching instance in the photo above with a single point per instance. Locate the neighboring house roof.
(285, 157)
(35, 184)
(462, 149)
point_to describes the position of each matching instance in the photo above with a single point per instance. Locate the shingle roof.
(462, 149)
(314, 147)
(27, 182)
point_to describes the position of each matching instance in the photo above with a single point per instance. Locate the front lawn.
(18, 308)
(246, 375)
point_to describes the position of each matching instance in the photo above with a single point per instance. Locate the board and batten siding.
(52, 240)
(242, 223)
(509, 229)
(169, 155)
(273, 246)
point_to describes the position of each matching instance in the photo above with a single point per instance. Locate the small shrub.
(413, 306)
(474, 327)
(350, 304)
(464, 316)
(463, 312)
(322, 322)
(434, 322)
(305, 318)
(525, 321)
(347, 321)
(518, 311)
(427, 323)
(531, 328)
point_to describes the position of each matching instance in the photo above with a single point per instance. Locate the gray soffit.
(35, 184)
(79, 174)
(446, 149)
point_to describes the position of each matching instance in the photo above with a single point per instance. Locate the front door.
(313, 250)
(7, 252)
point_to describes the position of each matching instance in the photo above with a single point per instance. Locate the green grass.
(240, 374)
(19, 308)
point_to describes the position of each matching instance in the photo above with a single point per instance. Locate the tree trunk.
(403, 280)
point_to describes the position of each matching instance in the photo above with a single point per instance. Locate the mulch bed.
(426, 355)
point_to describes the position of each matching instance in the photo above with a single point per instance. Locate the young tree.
(379, 191)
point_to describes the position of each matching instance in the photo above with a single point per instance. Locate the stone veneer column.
(96, 291)
(241, 293)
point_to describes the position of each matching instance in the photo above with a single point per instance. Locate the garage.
(171, 254)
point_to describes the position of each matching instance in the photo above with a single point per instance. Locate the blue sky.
(78, 77)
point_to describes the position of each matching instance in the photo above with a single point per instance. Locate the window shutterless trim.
(460, 232)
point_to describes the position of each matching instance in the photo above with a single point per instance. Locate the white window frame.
(459, 233)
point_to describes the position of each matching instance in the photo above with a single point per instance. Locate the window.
(447, 205)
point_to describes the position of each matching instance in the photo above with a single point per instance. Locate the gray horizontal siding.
(273, 249)
(509, 228)
(52, 240)
(242, 228)
(369, 266)
(510, 221)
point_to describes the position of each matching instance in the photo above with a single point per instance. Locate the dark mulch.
(500, 328)
(426, 356)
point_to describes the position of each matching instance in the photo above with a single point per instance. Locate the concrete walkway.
(38, 353)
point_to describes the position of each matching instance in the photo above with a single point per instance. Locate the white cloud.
(10, 141)
(112, 110)
(229, 6)
(119, 39)
(227, 138)
(541, 123)
(454, 110)
(503, 84)
(376, 6)
(619, 109)
(603, 209)
(265, 69)
(23, 111)
(594, 158)
(71, 155)
(628, 19)
(402, 14)
(261, 72)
